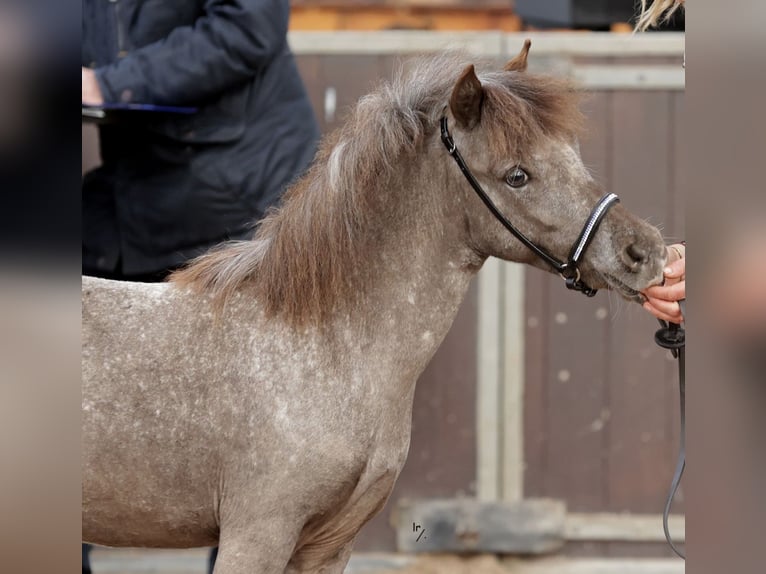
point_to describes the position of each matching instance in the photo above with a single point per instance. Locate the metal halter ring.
(566, 277)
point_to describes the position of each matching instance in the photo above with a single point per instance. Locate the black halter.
(567, 269)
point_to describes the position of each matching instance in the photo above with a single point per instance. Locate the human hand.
(91, 91)
(662, 300)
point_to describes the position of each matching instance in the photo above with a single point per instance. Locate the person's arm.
(223, 48)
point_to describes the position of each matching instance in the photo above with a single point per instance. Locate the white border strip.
(620, 77)
(608, 527)
(488, 380)
(512, 488)
(389, 42)
(597, 43)
(489, 43)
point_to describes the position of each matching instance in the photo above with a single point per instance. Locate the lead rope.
(673, 337)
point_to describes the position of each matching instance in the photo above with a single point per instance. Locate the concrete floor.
(141, 561)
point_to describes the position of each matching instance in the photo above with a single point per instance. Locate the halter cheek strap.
(568, 269)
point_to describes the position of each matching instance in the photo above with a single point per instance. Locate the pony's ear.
(467, 98)
(519, 63)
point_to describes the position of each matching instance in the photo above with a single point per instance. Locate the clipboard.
(116, 112)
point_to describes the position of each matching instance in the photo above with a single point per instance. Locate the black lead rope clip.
(670, 336)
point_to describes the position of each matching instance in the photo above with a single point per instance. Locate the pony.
(261, 400)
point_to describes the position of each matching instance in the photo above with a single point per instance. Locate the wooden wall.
(601, 414)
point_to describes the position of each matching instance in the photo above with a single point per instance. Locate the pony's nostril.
(634, 255)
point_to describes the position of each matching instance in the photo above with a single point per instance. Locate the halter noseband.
(567, 269)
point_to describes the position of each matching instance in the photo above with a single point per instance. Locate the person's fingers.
(674, 292)
(675, 269)
(672, 255)
(670, 308)
(679, 249)
(675, 317)
(91, 91)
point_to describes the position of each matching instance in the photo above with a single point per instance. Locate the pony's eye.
(517, 177)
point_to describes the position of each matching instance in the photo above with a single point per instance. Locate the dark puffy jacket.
(170, 187)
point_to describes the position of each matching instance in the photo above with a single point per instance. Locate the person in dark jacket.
(171, 186)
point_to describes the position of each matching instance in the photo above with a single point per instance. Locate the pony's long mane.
(304, 259)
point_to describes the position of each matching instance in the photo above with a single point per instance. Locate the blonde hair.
(656, 12)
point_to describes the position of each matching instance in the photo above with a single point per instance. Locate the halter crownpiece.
(568, 269)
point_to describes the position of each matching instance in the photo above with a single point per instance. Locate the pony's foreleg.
(336, 564)
(266, 552)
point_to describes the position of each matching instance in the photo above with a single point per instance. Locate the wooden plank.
(464, 4)
(578, 417)
(380, 18)
(309, 67)
(489, 368)
(470, 526)
(393, 42)
(536, 382)
(487, 42)
(595, 145)
(344, 79)
(676, 227)
(629, 77)
(584, 43)
(641, 454)
(622, 527)
(512, 384)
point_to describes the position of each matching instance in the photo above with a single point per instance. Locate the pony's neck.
(421, 271)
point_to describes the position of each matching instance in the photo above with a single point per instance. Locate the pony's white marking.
(333, 166)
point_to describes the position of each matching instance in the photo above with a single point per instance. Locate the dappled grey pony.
(262, 399)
